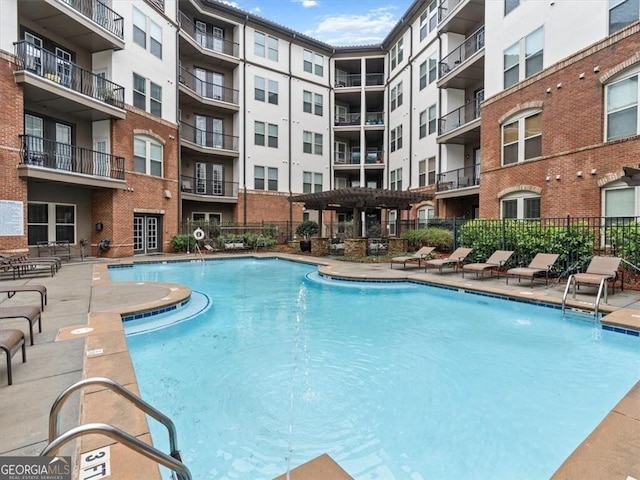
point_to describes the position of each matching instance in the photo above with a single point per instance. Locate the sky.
(336, 22)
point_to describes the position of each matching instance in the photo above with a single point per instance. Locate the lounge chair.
(542, 263)
(11, 340)
(454, 260)
(600, 268)
(29, 313)
(11, 290)
(26, 258)
(20, 268)
(422, 254)
(495, 262)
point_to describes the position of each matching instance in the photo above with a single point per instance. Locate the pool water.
(392, 380)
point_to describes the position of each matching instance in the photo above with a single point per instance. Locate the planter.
(305, 245)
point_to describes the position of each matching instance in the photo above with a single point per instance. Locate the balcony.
(462, 125)
(374, 118)
(465, 177)
(89, 24)
(374, 79)
(204, 141)
(347, 119)
(195, 43)
(212, 190)
(464, 66)
(55, 83)
(350, 80)
(460, 16)
(374, 157)
(46, 159)
(201, 92)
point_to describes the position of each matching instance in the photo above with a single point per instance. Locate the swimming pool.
(393, 380)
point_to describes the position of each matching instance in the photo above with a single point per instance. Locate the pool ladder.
(572, 281)
(173, 461)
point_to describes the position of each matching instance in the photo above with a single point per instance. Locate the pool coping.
(608, 450)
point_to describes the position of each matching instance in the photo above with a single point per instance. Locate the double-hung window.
(144, 27)
(622, 108)
(259, 180)
(395, 179)
(147, 156)
(265, 46)
(422, 173)
(396, 96)
(272, 92)
(522, 138)
(307, 99)
(423, 75)
(423, 124)
(396, 138)
(622, 13)
(154, 105)
(272, 135)
(397, 54)
(259, 133)
(312, 143)
(311, 182)
(524, 58)
(259, 87)
(51, 222)
(318, 104)
(432, 119)
(312, 63)
(520, 205)
(433, 68)
(265, 90)
(429, 19)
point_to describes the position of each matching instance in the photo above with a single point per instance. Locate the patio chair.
(11, 340)
(599, 268)
(20, 268)
(454, 260)
(422, 254)
(542, 263)
(30, 313)
(495, 262)
(11, 290)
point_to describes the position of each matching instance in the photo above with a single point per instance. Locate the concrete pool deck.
(81, 297)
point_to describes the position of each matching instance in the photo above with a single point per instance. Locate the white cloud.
(362, 29)
(307, 3)
(231, 4)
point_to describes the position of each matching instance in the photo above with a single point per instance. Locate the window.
(49, 222)
(265, 46)
(396, 138)
(395, 179)
(622, 108)
(155, 100)
(147, 156)
(140, 95)
(425, 214)
(622, 13)
(306, 101)
(258, 133)
(273, 179)
(423, 124)
(510, 5)
(522, 139)
(431, 171)
(396, 54)
(259, 89)
(432, 119)
(258, 178)
(312, 143)
(318, 104)
(531, 49)
(396, 96)
(620, 202)
(520, 205)
(423, 75)
(422, 173)
(313, 63)
(142, 25)
(311, 182)
(271, 94)
(433, 68)
(428, 20)
(273, 136)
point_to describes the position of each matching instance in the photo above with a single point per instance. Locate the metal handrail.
(571, 281)
(603, 284)
(121, 437)
(119, 389)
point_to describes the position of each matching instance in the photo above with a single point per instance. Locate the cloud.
(362, 29)
(307, 3)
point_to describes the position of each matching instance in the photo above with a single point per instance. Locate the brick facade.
(575, 159)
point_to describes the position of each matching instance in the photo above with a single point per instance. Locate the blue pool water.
(393, 380)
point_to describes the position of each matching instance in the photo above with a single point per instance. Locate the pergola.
(358, 199)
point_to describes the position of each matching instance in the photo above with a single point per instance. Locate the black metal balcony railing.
(347, 119)
(48, 65)
(208, 139)
(374, 79)
(461, 116)
(374, 118)
(208, 40)
(100, 14)
(208, 90)
(352, 80)
(459, 178)
(457, 57)
(41, 152)
(208, 187)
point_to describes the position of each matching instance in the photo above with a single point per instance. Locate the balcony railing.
(208, 187)
(41, 152)
(208, 40)
(354, 158)
(208, 90)
(457, 57)
(374, 79)
(208, 139)
(458, 178)
(446, 7)
(48, 65)
(348, 119)
(374, 118)
(352, 80)
(100, 14)
(461, 116)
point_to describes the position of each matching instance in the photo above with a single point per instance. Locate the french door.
(63, 147)
(209, 84)
(146, 234)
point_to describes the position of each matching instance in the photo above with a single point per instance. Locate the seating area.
(599, 269)
(234, 245)
(493, 264)
(455, 260)
(541, 265)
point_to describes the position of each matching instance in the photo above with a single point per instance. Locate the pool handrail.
(120, 390)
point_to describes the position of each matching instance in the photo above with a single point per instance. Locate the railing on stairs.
(571, 282)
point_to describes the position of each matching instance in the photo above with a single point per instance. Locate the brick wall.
(11, 126)
(571, 96)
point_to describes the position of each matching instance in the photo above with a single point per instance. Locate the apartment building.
(126, 119)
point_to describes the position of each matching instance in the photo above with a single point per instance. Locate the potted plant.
(305, 230)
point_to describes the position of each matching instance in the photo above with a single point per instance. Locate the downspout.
(179, 129)
(436, 209)
(290, 159)
(244, 119)
(410, 60)
(331, 131)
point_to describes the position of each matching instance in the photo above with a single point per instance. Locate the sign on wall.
(11, 218)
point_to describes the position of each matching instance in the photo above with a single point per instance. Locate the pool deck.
(83, 337)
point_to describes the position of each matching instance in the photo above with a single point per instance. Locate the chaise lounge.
(422, 254)
(454, 260)
(542, 263)
(494, 263)
(11, 340)
(13, 289)
(600, 268)
(31, 314)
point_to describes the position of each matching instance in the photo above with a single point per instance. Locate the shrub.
(182, 243)
(307, 229)
(440, 238)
